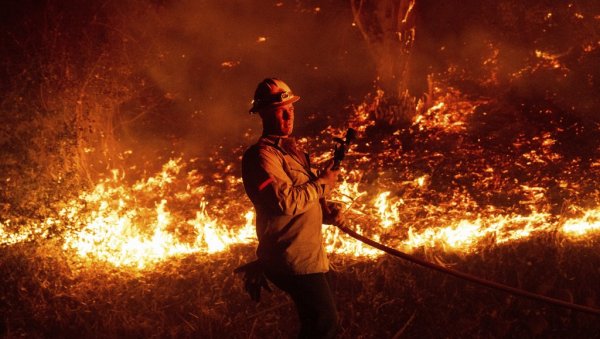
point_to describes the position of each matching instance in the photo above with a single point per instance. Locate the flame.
(387, 214)
(465, 234)
(111, 223)
(578, 227)
(176, 211)
(448, 114)
(552, 59)
(117, 231)
(10, 238)
(339, 243)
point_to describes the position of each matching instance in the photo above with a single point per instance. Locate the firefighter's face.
(278, 120)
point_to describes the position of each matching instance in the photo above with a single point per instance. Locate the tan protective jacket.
(285, 193)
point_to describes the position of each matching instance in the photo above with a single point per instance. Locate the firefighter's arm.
(279, 191)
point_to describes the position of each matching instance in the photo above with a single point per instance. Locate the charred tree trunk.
(388, 27)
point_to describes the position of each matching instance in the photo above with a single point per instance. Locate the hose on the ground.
(469, 277)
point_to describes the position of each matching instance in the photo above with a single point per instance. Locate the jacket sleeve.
(276, 191)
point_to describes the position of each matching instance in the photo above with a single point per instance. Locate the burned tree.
(389, 27)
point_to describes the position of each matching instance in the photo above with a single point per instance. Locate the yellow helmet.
(272, 92)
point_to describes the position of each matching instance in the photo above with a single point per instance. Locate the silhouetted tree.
(388, 27)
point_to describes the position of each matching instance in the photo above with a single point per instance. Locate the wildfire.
(11, 238)
(131, 226)
(174, 213)
(590, 222)
(449, 114)
(552, 59)
(465, 235)
(388, 214)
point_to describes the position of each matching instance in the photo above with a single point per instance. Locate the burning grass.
(154, 256)
(494, 174)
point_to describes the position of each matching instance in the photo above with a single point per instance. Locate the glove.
(332, 215)
(254, 279)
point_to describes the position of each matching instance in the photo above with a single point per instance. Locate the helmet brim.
(259, 107)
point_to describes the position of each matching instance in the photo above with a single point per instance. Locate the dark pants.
(314, 303)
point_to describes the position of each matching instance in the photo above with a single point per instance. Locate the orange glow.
(171, 214)
(579, 227)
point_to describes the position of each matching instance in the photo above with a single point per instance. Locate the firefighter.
(287, 196)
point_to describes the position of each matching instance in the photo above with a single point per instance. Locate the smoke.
(206, 58)
(128, 84)
(539, 50)
(178, 76)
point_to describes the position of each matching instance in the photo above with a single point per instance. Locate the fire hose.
(339, 153)
(255, 280)
(469, 277)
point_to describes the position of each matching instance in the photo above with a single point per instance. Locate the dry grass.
(68, 80)
(47, 293)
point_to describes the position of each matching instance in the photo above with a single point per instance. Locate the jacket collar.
(276, 141)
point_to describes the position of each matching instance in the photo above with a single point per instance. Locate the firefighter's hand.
(329, 176)
(335, 216)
